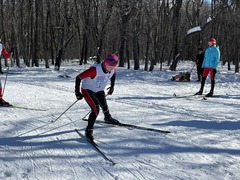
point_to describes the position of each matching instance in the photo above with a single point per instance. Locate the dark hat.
(200, 49)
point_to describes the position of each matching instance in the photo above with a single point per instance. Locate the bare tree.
(237, 32)
(66, 36)
(126, 10)
(176, 20)
(153, 31)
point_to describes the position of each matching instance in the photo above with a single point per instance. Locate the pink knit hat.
(111, 60)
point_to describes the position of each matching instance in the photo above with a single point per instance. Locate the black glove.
(110, 90)
(214, 71)
(79, 95)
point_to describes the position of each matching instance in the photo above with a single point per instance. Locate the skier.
(7, 55)
(199, 61)
(182, 76)
(210, 63)
(93, 82)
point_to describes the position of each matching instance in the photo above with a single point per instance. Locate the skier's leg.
(90, 98)
(103, 103)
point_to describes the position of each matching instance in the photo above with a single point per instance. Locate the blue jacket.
(211, 57)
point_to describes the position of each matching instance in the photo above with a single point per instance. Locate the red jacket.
(6, 53)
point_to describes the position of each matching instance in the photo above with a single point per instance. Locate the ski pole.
(86, 114)
(192, 67)
(5, 81)
(64, 112)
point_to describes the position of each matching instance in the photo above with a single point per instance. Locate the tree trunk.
(60, 51)
(176, 22)
(127, 56)
(14, 36)
(126, 12)
(35, 61)
(237, 57)
(147, 48)
(2, 35)
(135, 52)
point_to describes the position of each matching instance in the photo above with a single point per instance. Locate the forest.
(140, 31)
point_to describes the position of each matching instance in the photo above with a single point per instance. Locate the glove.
(79, 95)
(110, 90)
(214, 71)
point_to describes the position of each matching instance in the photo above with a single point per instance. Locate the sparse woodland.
(144, 31)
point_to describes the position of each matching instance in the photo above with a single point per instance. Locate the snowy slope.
(203, 143)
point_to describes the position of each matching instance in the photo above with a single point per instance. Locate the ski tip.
(26, 108)
(167, 132)
(112, 123)
(6, 106)
(164, 132)
(113, 163)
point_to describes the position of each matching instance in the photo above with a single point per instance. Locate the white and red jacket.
(4, 51)
(95, 79)
(7, 55)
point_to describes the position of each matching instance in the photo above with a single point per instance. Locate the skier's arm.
(77, 83)
(111, 88)
(91, 72)
(79, 95)
(6, 53)
(113, 80)
(216, 58)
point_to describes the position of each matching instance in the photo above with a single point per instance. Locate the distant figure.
(93, 82)
(182, 76)
(7, 55)
(199, 61)
(210, 64)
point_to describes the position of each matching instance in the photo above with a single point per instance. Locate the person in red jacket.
(7, 55)
(93, 82)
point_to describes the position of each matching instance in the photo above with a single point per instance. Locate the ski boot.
(199, 92)
(111, 120)
(4, 103)
(210, 94)
(89, 134)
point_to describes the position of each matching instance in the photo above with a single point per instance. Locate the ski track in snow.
(182, 110)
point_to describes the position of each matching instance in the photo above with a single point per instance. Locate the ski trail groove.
(70, 163)
(49, 167)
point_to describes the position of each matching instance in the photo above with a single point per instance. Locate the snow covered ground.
(203, 143)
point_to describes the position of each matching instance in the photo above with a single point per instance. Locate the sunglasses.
(113, 61)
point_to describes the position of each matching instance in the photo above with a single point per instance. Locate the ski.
(203, 96)
(21, 107)
(131, 126)
(186, 95)
(207, 97)
(96, 147)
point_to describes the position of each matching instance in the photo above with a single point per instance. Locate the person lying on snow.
(184, 77)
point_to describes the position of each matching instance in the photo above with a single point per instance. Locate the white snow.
(203, 143)
(195, 29)
(209, 19)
